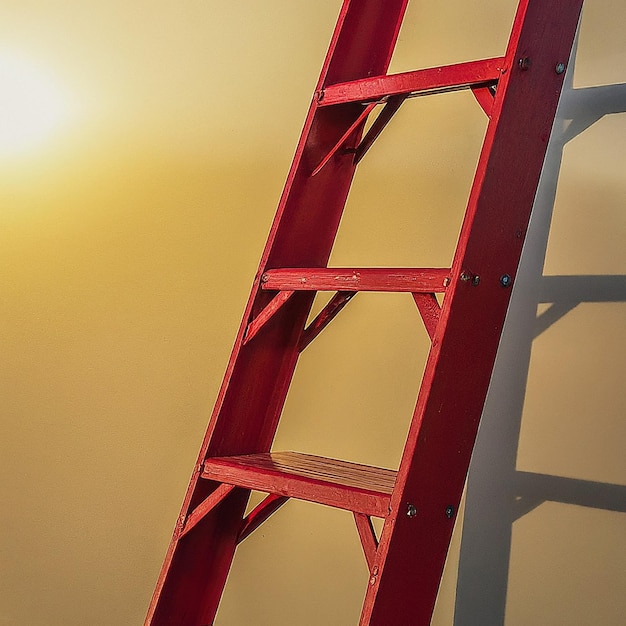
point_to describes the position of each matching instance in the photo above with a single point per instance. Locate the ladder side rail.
(413, 548)
(258, 374)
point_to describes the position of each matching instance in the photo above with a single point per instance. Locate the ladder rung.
(431, 80)
(341, 484)
(423, 280)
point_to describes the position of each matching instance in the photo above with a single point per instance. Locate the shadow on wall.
(498, 494)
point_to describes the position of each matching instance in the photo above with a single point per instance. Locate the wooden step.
(418, 82)
(341, 484)
(422, 280)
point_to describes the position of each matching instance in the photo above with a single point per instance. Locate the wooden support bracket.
(261, 512)
(384, 117)
(359, 120)
(430, 310)
(368, 537)
(206, 506)
(485, 94)
(324, 317)
(265, 315)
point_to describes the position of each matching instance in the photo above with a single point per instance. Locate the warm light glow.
(32, 106)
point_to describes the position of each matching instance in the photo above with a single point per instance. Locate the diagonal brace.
(261, 512)
(206, 506)
(392, 105)
(368, 537)
(324, 317)
(266, 314)
(360, 119)
(430, 311)
(485, 95)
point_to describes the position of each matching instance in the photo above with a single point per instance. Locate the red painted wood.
(206, 506)
(367, 536)
(432, 473)
(430, 311)
(266, 314)
(258, 374)
(342, 141)
(392, 105)
(324, 317)
(431, 80)
(484, 96)
(344, 485)
(262, 512)
(408, 562)
(361, 279)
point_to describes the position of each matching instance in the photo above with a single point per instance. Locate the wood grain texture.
(342, 484)
(422, 280)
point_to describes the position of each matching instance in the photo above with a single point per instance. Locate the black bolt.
(475, 280)
(505, 280)
(449, 511)
(524, 63)
(411, 510)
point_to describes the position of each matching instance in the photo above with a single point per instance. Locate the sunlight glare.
(32, 106)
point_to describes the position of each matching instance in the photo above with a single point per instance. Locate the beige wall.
(128, 243)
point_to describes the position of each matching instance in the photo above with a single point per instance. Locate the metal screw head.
(449, 511)
(559, 68)
(374, 575)
(411, 510)
(505, 280)
(524, 63)
(468, 277)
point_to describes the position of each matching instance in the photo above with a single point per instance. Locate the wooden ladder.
(419, 501)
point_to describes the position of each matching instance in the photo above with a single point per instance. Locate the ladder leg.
(189, 596)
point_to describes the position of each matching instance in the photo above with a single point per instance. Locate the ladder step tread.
(341, 484)
(430, 80)
(424, 280)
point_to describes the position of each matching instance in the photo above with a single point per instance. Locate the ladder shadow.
(497, 493)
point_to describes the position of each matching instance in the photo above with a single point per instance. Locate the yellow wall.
(128, 242)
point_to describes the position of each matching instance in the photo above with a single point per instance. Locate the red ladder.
(418, 502)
